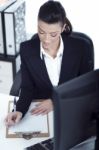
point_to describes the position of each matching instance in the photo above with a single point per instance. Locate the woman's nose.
(47, 38)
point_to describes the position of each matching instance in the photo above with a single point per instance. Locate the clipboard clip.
(27, 135)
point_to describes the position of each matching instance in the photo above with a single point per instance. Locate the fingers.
(13, 118)
(18, 118)
(9, 122)
(42, 108)
(37, 111)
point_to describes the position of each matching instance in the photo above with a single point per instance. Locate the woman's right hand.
(13, 118)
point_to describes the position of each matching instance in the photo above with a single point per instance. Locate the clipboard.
(28, 135)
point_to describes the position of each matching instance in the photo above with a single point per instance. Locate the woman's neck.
(54, 49)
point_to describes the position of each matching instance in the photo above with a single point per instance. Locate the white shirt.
(53, 65)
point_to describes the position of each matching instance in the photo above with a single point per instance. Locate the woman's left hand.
(43, 107)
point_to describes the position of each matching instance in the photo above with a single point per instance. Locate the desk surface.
(17, 143)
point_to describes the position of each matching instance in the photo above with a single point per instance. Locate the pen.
(14, 104)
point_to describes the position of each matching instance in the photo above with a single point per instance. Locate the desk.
(17, 143)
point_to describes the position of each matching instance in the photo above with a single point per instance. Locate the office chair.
(75, 102)
(16, 86)
(17, 81)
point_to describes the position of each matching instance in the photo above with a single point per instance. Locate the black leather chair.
(16, 86)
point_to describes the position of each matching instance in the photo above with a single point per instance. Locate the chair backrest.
(17, 82)
(88, 40)
(16, 86)
(74, 104)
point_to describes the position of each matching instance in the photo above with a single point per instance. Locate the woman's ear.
(64, 27)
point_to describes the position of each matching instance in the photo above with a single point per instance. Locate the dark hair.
(53, 12)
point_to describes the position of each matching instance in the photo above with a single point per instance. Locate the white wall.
(32, 7)
(83, 15)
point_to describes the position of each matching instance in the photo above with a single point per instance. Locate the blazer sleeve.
(27, 85)
(87, 62)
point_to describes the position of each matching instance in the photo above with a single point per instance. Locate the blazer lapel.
(37, 63)
(66, 62)
(39, 68)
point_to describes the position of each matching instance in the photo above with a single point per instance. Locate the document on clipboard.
(30, 126)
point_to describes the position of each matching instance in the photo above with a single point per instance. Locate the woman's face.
(49, 34)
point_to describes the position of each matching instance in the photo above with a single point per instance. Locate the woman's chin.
(45, 47)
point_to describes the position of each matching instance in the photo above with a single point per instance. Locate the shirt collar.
(59, 53)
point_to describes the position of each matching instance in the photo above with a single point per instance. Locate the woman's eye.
(53, 35)
(41, 32)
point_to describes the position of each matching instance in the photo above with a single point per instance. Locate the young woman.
(52, 57)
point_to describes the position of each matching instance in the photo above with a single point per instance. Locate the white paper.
(31, 123)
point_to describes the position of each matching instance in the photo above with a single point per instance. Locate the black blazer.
(77, 60)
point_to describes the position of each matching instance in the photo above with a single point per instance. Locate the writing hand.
(43, 107)
(13, 118)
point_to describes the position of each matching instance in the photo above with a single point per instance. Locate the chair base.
(88, 144)
(97, 144)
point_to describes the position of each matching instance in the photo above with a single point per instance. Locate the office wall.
(83, 15)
